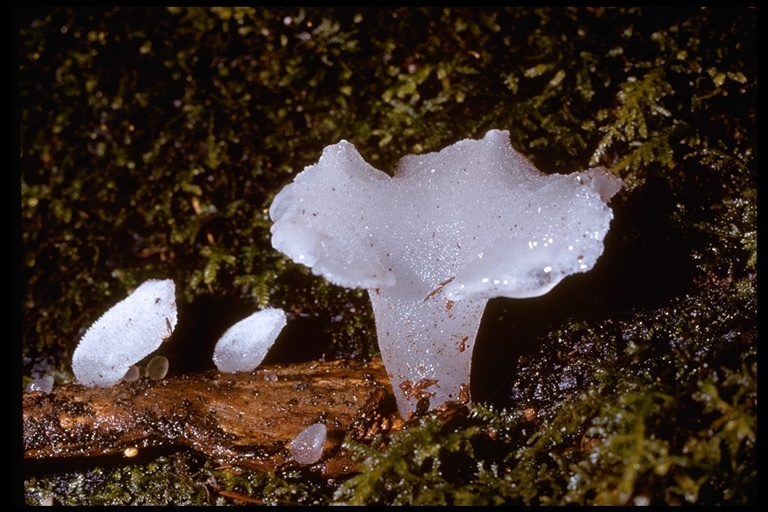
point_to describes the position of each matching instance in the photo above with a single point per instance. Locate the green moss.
(164, 480)
(673, 409)
(165, 164)
(179, 478)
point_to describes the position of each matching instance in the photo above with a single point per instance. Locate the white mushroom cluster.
(431, 244)
(136, 326)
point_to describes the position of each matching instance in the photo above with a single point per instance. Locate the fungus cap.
(245, 345)
(435, 241)
(307, 446)
(129, 331)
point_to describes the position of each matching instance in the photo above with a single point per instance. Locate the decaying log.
(245, 419)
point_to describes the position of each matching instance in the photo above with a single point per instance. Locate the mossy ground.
(152, 141)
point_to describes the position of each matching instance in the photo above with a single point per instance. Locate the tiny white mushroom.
(44, 384)
(157, 367)
(245, 345)
(307, 447)
(132, 374)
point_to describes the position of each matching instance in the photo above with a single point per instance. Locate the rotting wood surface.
(244, 419)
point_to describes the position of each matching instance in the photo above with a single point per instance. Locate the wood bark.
(244, 419)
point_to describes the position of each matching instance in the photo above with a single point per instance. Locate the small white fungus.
(157, 367)
(126, 334)
(307, 447)
(243, 347)
(132, 374)
(44, 384)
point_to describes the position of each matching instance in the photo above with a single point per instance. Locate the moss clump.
(178, 478)
(153, 140)
(162, 480)
(673, 408)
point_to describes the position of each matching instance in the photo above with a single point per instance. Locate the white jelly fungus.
(131, 330)
(157, 367)
(307, 447)
(244, 345)
(44, 384)
(132, 374)
(431, 244)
